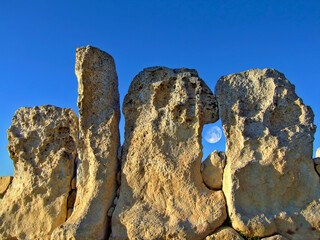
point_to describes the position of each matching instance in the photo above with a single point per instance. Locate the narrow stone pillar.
(99, 111)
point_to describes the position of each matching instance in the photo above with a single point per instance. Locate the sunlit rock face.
(99, 111)
(162, 194)
(269, 180)
(43, 147)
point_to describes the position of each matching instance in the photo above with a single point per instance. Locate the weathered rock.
(212, 169)
(269, 179)
(224, 233)
(99, 112)
(42, 145)
(275, 237)
(318, 169)
(162, 194)
(4, 184)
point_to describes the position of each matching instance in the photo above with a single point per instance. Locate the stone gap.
(208, 148)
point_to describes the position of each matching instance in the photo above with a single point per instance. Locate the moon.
(213, 135)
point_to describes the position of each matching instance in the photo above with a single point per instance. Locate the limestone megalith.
(43, 147)
(99, 112)
(269, 180)
(162, 195)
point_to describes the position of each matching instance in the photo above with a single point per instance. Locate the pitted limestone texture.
(269, 180)
(162, 194)
(43, 147)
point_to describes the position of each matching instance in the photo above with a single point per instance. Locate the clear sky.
(38, 40)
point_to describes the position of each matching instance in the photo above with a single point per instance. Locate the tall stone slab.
(162, 194)
(99, 111)
(43, 147)
(269, 180)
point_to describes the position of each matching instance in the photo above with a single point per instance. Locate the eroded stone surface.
(42, 145)
(224, 233)
(99, 111)
(269, 180)
(162, 193)
(212, 169)
(4, 184)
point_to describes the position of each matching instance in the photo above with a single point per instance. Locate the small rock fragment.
(212, 169)
(119, 178)
(110, 211)
(224, 233)
(275, 237)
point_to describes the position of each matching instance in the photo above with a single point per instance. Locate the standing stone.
(99, 111)
(43, 147)
(162, 194)
(224, 233)
(269, 180)
(212, 169)
(4, 184)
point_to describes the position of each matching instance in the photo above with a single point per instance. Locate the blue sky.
(38, 40)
